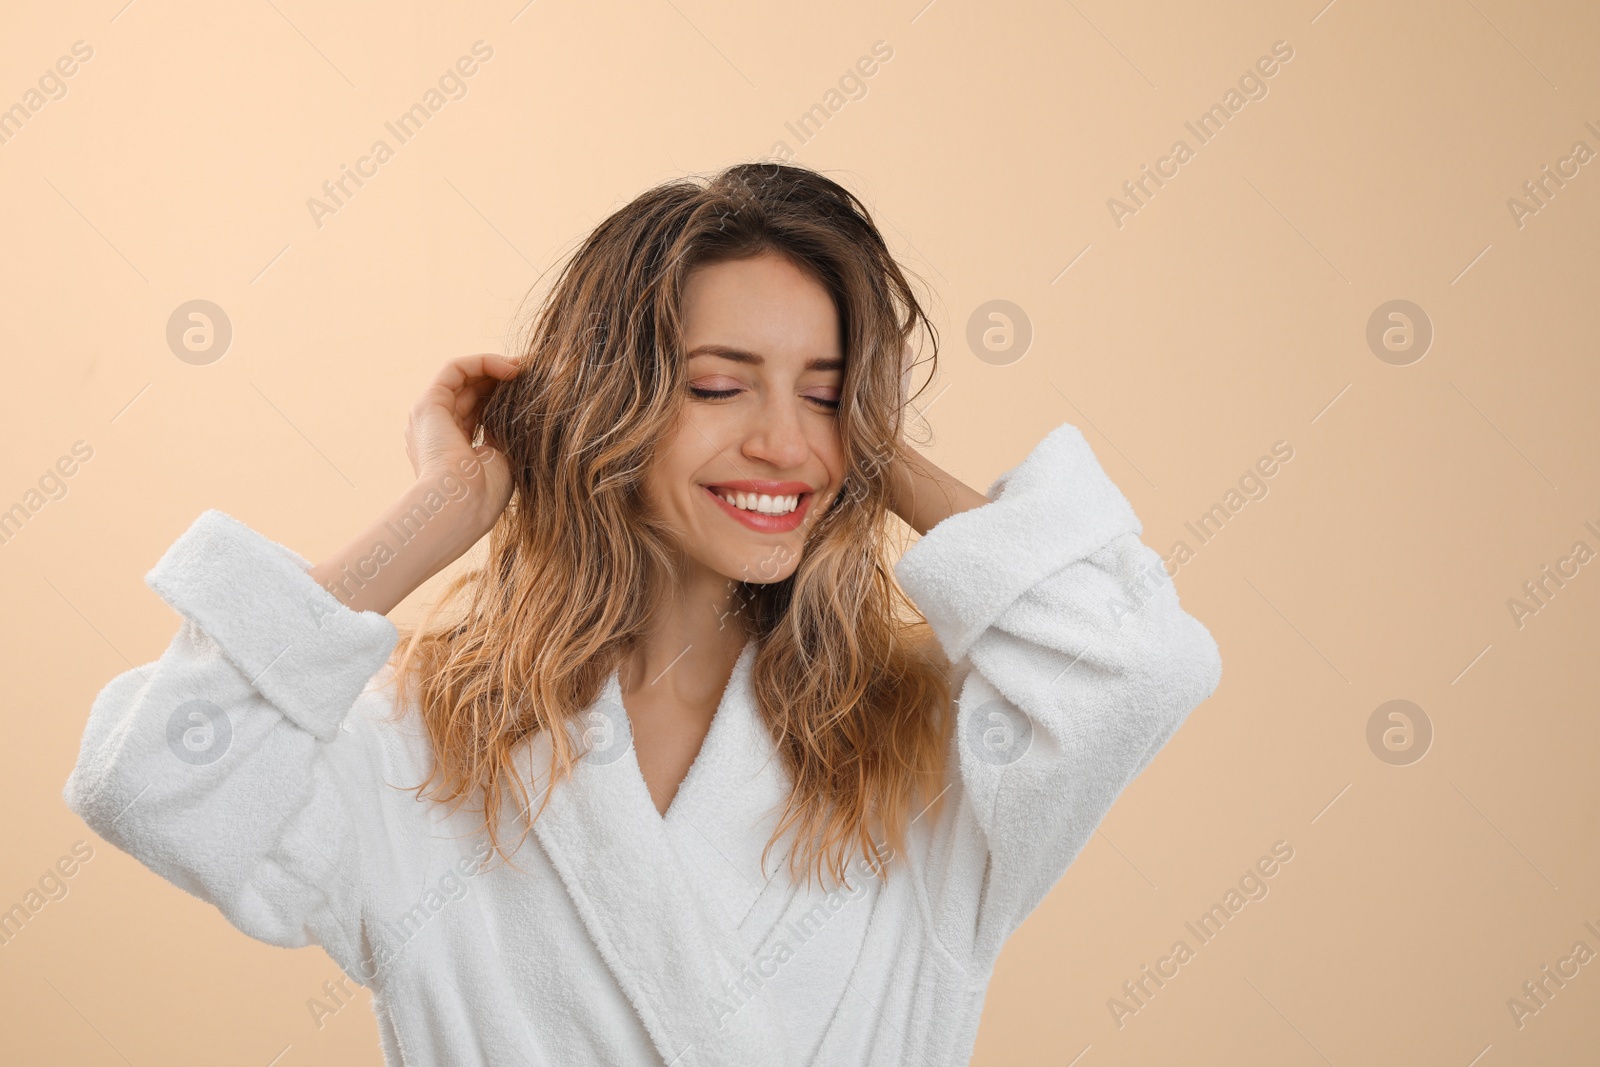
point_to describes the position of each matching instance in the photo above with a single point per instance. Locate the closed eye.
(713, 394)
(723, 394)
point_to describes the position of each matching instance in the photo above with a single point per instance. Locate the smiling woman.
(688, 651)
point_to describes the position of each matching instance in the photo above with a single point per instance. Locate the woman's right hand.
(439, 435)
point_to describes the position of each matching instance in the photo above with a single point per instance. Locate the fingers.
(475, 391)
(485, 369)
(480, 377)
(491, 365)
(463, 382)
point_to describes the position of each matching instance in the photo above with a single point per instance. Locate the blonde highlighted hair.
(846, 677)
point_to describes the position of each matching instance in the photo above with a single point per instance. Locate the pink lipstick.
(750, 492)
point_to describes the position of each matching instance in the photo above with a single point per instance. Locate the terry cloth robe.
(251, 766)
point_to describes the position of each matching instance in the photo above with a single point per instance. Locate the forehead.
(765, 305)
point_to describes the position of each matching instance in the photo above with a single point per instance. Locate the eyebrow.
(739, 355)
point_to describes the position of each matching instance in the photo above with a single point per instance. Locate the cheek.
(679, 503)
(664, 494)
(671, 473)
(829, 448)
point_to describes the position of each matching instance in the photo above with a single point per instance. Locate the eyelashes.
(723, 394)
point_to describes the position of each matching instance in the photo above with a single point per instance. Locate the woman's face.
(756, 456)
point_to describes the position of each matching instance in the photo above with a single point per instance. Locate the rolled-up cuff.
(301, 648)
(1055, 507)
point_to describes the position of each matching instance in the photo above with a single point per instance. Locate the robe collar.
(662, 897)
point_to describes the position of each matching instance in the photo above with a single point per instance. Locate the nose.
(775, 435)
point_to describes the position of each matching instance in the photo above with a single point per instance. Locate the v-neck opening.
(665, 922)
(708, 744)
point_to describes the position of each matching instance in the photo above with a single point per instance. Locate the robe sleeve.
(1074, 665)
(222, 766)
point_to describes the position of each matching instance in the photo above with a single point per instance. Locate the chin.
(768, 567)
(758, 580)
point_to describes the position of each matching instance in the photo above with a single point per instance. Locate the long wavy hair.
(848, 681)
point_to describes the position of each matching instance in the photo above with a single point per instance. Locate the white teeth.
(764, 504)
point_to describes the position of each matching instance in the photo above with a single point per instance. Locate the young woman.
(781, 813)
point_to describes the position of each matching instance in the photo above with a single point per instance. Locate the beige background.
(1227, 314)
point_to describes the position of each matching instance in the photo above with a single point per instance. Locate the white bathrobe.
(248, 766)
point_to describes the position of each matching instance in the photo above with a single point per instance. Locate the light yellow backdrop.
(1189, 323)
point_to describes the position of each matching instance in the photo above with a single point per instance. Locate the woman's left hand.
(919, 492)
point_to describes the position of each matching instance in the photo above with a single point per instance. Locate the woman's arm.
(1082, 665)
(923, 494)
(920, 492)
(409, 542)
(233, 766)
(459, 493)
(222, 767)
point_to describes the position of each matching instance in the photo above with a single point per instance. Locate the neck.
(694, 638)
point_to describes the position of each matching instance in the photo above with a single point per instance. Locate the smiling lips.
(766, 507)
